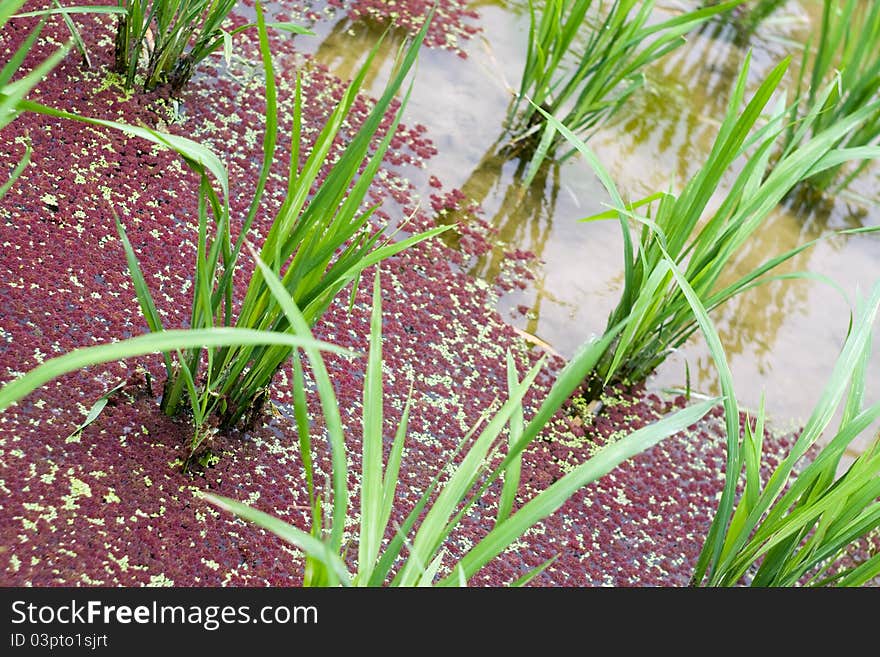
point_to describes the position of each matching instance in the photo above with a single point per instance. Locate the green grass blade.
(329, 405)
(802, 497)
(863, 573)
(197, 155)
(74, 34)
(752, 449)
(432, 529)
(641, 314)
(12, 93)
(617, 201)
(301, 417)
(372, 485)
(392, 470)
(322, 300)
(430, 572)
(14, 63)
(17, 171)
(8, 9)
(715, 537)
(306, 542)
(394, 547)
(95, 411)
(568, 380)
(144, 297)
(149, 343)
(292, 28)
(512, 472)
(68, 10)
(533, 573)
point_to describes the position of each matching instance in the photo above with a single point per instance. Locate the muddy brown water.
(782, 339)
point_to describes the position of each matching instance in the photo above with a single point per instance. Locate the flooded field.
(782, 338)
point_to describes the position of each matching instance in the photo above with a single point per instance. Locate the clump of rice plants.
(846, 51)
(414, 556)
(321, 239)
(164, 40)
(676, 229)
(584, 83)
(321, 244)
(804, 524)
(798, 527)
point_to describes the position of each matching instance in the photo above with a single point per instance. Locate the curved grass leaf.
(306, 542)
(149, 343)
(95, 411)
(198, 156)
(17, 171)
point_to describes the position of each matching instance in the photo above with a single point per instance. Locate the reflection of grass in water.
(522, 218)
(700, 237)
(344, 49)
(746, 19)
(675, 116)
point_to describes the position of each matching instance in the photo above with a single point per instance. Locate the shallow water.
(781, 339)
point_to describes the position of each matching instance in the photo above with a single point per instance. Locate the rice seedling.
(846, 52)
(583, 84)
(172, 37)
(796, 528)
(779, 534)
(660, 316)
(321, 243)
(441, 506)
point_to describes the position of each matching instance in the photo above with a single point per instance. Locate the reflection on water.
(336, 51)
(521, 216)
(686, 97)
(782, 337)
